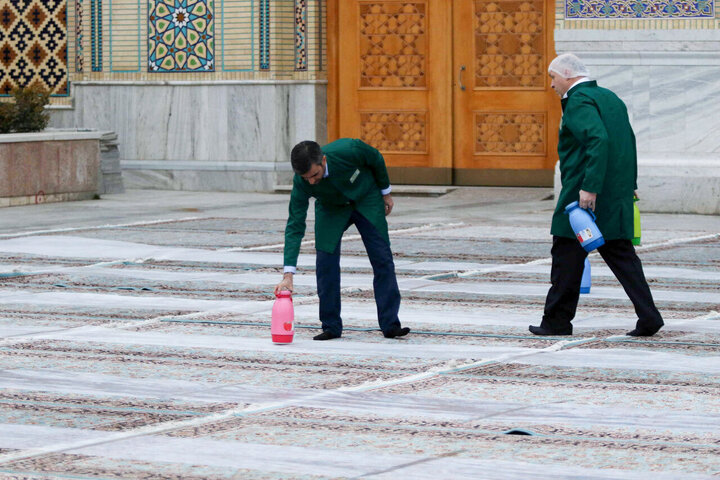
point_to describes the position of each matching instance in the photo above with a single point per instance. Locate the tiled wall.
(58, 42)
(638, 14)
(638, 9)
(34, 45)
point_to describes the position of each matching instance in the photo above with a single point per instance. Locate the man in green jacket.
(598, 168)
(350, 184)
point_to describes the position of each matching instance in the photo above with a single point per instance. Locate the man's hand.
(388, 204)
(286, 284)
(587, 200)
(636, 195)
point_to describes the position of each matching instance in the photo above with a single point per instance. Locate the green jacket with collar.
(357, 173)
(597, 154)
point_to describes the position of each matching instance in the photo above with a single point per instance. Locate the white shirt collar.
(579, 81)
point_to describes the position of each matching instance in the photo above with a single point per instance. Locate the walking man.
(598, 167)
(350, 184)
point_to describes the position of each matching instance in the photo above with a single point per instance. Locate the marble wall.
(669, 81)
(201, 136)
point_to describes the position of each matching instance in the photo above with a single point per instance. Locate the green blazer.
(597, 154)
(357, 173)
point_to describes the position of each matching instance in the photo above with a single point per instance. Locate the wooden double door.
(451, 92)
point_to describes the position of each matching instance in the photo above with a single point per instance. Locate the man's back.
(621, 170)
(597, 154)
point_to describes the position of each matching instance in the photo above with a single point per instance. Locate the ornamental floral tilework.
(301, 57)
(33, 45)
(639, 9)
(181, 36)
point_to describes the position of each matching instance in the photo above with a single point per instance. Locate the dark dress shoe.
(550, 331)
(397, 332)
(325, 336)
(643, 332)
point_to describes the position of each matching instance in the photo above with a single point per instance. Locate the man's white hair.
(568, 65)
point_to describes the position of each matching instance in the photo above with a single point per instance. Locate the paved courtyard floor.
(135, 344)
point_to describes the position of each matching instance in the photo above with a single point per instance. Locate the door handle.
(462, 69)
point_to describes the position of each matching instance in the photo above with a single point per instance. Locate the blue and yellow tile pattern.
(181, 36)
(591, 9)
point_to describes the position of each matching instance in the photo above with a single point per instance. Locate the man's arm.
(294, 233)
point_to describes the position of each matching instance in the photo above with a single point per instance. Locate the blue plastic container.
(583, 224)
(585, 283)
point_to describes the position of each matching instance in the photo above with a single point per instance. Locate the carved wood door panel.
(395, 81)
(506, 114)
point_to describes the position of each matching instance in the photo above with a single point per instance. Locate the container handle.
(592, 214)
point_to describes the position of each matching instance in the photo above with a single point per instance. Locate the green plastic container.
(636, 222)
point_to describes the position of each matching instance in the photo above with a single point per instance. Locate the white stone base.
(205, 176)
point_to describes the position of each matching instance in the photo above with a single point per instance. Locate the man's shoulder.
(299, 185)
(339, 146)
(593, 93)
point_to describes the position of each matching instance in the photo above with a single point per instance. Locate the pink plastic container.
(281, 327)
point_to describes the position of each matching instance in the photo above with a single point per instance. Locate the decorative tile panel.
(393, 44)
(319, 33)
(33, 45)
(181, 35)
(395, 131)
(509, 43)
(587, 9)
(79, 39)
(96, 35)
(301, 35)
(509, 133)
(264, 34)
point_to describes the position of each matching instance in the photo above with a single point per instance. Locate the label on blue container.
(584, 235)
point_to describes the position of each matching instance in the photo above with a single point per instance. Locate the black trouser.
(568, 261)
(387, 294)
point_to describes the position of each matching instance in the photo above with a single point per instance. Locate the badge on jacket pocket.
(354, 176)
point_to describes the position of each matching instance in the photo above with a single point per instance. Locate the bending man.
(350, 184)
